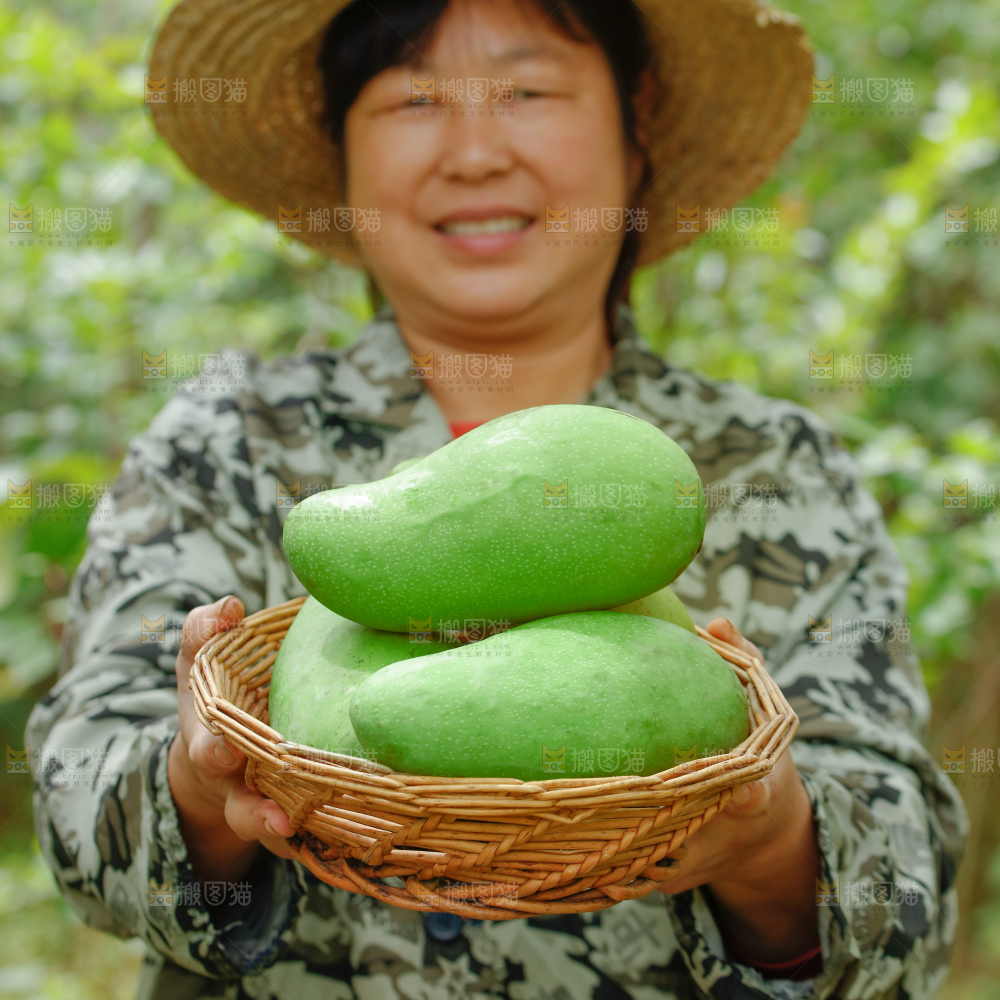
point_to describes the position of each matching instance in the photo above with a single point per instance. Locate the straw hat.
(735, 79)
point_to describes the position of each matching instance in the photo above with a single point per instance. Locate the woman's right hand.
(222, 821)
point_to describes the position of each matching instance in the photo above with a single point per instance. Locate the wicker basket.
(489, 848)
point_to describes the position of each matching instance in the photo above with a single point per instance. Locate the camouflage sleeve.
(827, 603)
(179, 529)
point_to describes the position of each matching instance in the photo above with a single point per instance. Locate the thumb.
(206, 621)
(213, 756)
(748, 798)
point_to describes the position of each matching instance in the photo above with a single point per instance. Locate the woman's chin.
(474, 300)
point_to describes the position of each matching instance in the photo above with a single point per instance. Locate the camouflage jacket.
(795, 553)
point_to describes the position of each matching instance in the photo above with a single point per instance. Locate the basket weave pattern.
(488, 848)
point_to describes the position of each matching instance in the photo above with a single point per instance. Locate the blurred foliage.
(861, 264)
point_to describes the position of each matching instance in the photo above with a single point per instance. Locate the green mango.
(495, 525)
(320, 662)
(663, 604)
(404, 465)
(548, 697)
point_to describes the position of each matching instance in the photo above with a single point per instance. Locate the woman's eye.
(522, 92)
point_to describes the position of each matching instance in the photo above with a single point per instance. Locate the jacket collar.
(392, 397)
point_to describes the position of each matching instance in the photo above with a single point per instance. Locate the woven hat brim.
(734, 81)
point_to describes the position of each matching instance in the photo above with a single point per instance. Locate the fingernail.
(269, 828)
(222, 754)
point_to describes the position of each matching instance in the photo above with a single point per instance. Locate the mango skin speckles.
(465, 533)
(593, 681)
(320, 662)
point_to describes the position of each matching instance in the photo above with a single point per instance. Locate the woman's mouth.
(485, 235)
(478, 227)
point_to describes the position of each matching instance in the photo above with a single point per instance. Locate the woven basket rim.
(747, 668)
(562, 845)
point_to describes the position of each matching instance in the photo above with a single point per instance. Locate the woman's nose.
(474, 148)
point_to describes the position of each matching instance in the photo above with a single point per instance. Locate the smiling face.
(463, 190)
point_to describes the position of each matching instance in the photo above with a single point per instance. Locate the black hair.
(369, 36)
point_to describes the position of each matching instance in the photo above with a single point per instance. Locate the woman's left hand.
(758, 857)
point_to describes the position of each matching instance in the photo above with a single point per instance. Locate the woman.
(628, 109)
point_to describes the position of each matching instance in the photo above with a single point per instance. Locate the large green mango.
(544, 511)
(579, 695)
(321, 660)
(663, 604)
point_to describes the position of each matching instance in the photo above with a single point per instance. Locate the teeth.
(478, 227)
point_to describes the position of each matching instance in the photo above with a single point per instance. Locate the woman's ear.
(643, 105)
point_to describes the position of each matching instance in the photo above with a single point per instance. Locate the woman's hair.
(369, 36)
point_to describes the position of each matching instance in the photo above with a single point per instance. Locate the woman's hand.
(758, 857)
(222, 821)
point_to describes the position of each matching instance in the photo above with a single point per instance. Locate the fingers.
(200, 625)
(724, 629)
(206, 621)
(212, 757)
(252, 817)
(748, 798)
